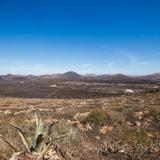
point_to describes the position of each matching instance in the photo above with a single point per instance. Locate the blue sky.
(87, 36)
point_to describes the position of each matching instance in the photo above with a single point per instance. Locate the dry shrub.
(98, 117)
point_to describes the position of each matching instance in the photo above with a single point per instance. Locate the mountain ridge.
(71, 75)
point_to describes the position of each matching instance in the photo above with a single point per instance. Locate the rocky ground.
(113, 128)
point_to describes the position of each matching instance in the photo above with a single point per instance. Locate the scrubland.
(113, 128)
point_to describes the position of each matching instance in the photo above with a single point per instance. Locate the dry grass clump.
(135, 135)
(98, 117)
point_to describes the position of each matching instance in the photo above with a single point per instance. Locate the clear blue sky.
(87, 36)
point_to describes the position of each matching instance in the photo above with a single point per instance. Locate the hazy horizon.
(102, 37)
(89, 74)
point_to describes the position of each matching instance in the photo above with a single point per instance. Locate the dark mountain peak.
(70, 72)
(70, 75)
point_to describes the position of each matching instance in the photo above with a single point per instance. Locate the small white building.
(54, 85)
(156, 87)
(128, 91)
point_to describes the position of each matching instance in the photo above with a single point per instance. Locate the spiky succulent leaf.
(39, 144)
(41, 137)
(36, 118)
(40, 134)
(26, 140)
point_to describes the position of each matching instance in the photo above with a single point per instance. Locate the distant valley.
(74, 85)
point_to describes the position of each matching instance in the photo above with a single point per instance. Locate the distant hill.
(153, 77)
(50, 75)
(115, 77)
(91, 75)
(67, 75)
(71, 75)
(11, 77)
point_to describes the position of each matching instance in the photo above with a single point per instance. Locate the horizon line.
(54, 73)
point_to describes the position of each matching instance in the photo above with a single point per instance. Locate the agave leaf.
(40, 134)
(49, 128)
(36, 118)
(24, 140)
(27, 142)
(39, 144)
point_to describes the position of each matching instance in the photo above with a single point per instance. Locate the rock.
(97, 137)
(105, 129)
(7, 112)
(22, 156)
(139, 115)
(88, 127)
(15, 156)
(121, 151)
(81, 126)
(129, 123)
(150, 135)
(81, 116)
(138, 123)
(52, 155)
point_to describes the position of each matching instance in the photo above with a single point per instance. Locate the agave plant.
(39, 145)
(41, 140)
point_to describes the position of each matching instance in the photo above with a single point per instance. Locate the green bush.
(134, 135)
(98, 117)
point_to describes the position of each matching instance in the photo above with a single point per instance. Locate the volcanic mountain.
(70, 75)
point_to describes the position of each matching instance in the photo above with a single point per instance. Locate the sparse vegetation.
(98, 117)
(135, 135)
(129, 128)
(41, 145)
